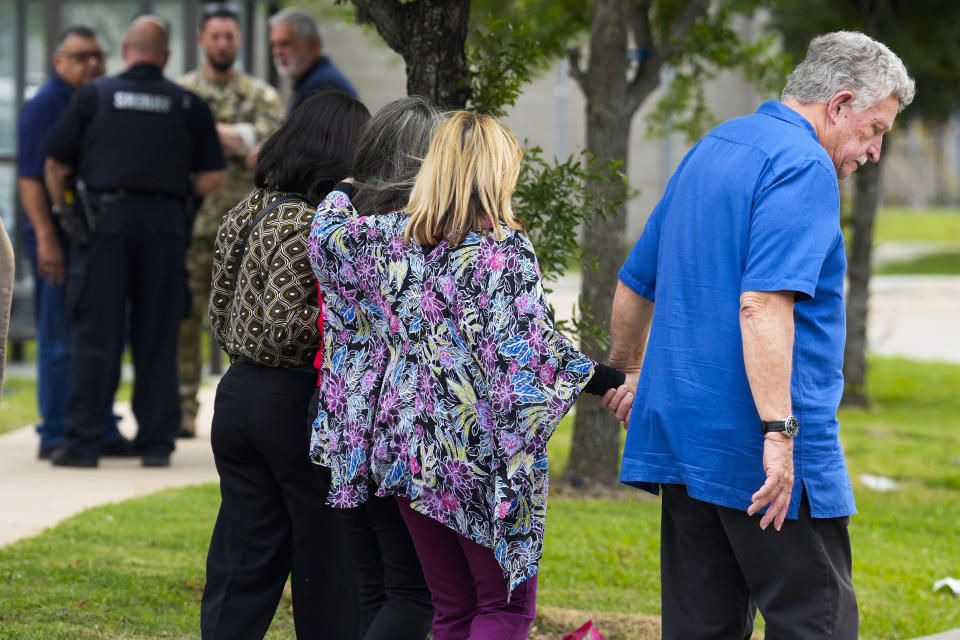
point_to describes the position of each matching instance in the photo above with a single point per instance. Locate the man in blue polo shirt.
(77, 59)
(738, 279)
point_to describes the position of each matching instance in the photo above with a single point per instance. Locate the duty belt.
(113, 195)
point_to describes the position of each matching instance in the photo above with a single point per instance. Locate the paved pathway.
(35, 495)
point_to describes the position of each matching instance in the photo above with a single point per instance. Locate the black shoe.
(44, 453)
(63, 457)
(119, 448)
(156, 461)
(184, 433)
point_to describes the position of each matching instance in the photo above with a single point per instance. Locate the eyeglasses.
(84, 56)
(220, 9)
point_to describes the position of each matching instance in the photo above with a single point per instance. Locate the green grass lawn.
(917, 225)
(19, 405)
(937, 264)
(600, 555)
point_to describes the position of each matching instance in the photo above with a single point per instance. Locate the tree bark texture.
(614, 92)
(596, 436)
(431, 36)
(859, 254)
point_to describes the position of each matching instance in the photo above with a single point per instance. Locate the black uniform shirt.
(136, 131)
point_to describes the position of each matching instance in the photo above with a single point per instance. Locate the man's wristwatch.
(790, 426)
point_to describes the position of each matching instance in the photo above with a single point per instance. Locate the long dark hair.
(389, 153)
(311, 150)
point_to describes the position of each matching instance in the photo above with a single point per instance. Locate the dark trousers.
(53, 362)
(467, 584)
(133, 259)
(394, 600)
(273, 521)
(718, 567)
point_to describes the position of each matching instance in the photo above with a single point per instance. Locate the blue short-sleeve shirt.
(36, 119)
(754, 206)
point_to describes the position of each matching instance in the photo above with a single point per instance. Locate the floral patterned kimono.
(442, 377)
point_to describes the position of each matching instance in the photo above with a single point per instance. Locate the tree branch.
(647, 78)
(576, 71)
(638, 21)
(676, 36)
(384, 15)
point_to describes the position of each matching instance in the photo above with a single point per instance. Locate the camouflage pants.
(195, 327)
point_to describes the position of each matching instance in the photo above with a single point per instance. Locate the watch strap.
(773, 425)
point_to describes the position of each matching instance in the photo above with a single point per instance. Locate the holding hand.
(620, 401)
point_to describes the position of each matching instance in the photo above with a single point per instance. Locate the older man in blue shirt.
(738, 279)
(77, 59)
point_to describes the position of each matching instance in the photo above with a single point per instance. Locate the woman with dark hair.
(395, 603)
(264, 310)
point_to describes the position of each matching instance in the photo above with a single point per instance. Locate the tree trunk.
(594, 455)
(596, 438)
(865, 203)
(431, 36)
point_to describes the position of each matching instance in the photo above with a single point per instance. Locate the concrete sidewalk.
(35, 495)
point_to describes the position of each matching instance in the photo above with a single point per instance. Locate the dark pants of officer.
(273, 520)
(135, 257)
(717, 567)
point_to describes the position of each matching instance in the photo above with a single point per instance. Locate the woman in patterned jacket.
(394, 599)
(264, 310)
(437, 316)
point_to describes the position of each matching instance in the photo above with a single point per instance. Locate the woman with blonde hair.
(468, 377)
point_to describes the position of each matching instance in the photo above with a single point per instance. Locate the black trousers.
(273, 521)
(718, 567)
(132, 260)
(395, 602)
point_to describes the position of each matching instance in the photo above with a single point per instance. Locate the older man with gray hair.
(298, 54)
(738, 281)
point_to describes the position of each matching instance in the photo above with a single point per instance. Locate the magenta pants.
(467, 585)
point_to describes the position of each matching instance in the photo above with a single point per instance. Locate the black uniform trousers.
(717, 567)
(273, 520)
(136, 258)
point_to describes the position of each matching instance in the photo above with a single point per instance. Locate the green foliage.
(922, 32)
(552, 200)
(713, 46)
(552, 24)
(502, 59)
(512, 41)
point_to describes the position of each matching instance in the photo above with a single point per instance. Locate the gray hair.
(302, 22)
(849, 61)
(389, 153)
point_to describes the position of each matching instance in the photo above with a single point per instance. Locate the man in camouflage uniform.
(247, 110)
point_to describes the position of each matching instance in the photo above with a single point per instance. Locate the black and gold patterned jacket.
(264, 306)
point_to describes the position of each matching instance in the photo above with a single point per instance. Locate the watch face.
(791, 426)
